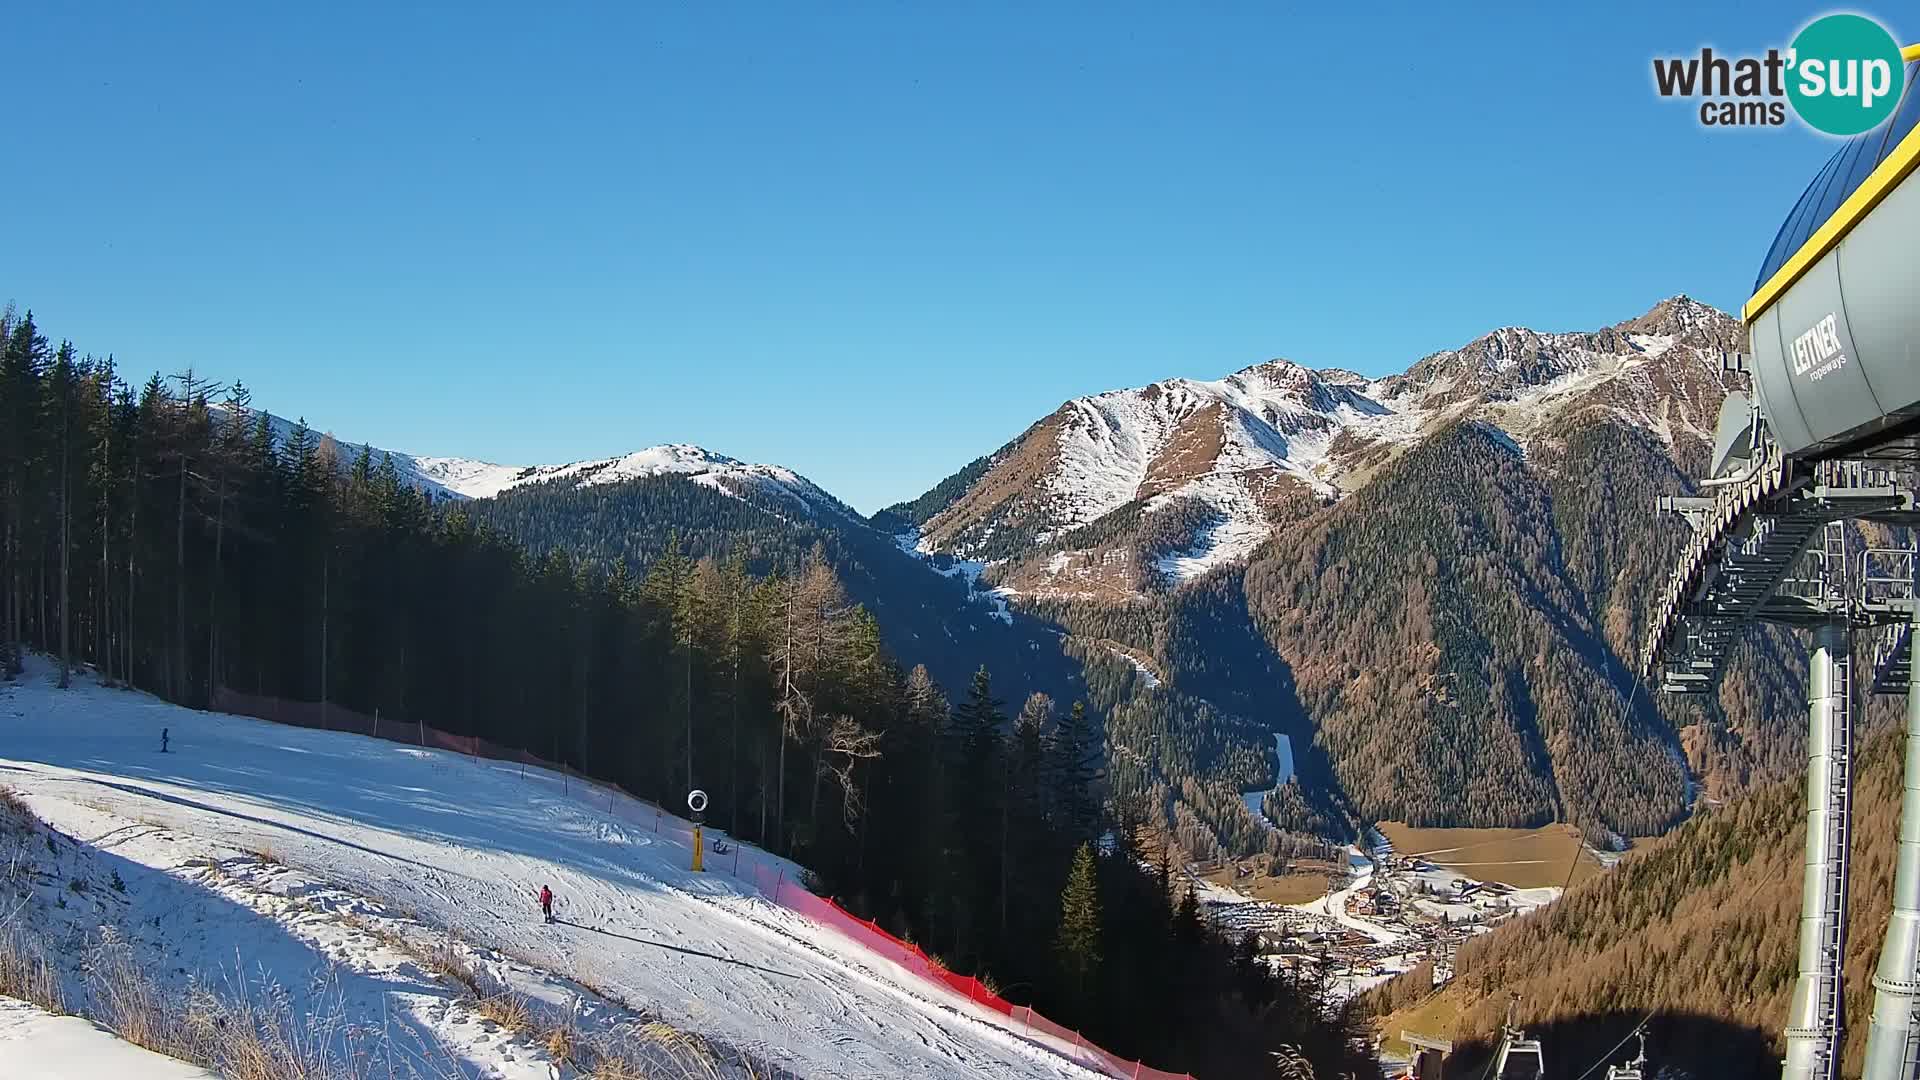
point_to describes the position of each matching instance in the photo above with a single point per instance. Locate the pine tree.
(63, 398)
(1188, 929)
(1078, 940)
(21, 418)
(1073, 768)
(666, 593)
(1022, 801)
(976, 788)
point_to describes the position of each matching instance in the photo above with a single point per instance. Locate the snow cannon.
(697, 802)
(1833, 324)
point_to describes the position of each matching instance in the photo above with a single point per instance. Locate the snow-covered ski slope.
(465, 845)
(69, 1048)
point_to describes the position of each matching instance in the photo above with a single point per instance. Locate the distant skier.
(163, 740)
(546, 902)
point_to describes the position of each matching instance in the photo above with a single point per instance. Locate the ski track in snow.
(465, 846)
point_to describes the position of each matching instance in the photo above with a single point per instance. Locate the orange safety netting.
(771, 880)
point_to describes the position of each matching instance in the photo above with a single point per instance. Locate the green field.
(1523, 858)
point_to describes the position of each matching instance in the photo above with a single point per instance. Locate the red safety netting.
(768, 875)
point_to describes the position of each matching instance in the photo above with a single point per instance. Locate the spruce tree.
(1188, 929)
(21, 415)
(63, 398)
(1078, 940)
(1073, 769)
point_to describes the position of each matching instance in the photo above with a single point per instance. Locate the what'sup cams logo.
(1842, 75)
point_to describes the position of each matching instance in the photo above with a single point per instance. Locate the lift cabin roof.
(1833, 323)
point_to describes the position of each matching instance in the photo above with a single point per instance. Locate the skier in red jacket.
(546, 902)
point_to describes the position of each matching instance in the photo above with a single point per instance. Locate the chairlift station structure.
(1829, 438)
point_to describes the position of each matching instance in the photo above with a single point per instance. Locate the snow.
(1334, 904)
(481, 480)
(1283, 753)
(1147, 677)
(463, 476)
(1281, 422)
(469, 478)
(1224, 543)
(1282, 772)
(37, 1045)
(998, 600)
(1652, 344)
(1108, 444)
(429, 842)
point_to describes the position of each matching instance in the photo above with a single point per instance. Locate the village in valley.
(1412, 897)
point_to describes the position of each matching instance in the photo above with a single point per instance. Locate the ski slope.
(464, 846)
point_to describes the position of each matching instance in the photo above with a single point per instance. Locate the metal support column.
(1817, 1019)
(1893, 1041)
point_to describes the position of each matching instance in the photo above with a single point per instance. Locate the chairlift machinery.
(1830, 437)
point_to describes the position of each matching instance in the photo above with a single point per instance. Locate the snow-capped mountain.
(1207, 467)
(470, 478)
(480, 480)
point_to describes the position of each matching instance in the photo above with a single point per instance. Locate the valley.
(1175, 554)
(690, 542)
(1551, 856)
(1276, 608)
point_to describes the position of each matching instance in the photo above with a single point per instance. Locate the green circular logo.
(1846, 74)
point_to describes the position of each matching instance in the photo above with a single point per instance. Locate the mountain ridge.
(1257, 440)
(1200, 555)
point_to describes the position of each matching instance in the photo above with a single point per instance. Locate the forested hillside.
(1437, 596)
(1700, 930)
(1456, 567)
(156, 538)
(926, 618)
(1173, 756)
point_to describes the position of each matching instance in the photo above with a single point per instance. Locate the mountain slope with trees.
(154, 538)
(1700, 930)
(1449, 588)
(927, 618)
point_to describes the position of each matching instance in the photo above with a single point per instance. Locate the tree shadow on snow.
(675, 948)
(181, 934)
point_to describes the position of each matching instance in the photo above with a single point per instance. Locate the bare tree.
(844, 746)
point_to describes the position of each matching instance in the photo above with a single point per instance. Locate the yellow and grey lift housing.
(1834, 322)
(1832, 439)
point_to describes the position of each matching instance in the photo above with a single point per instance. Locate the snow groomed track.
(466, 845)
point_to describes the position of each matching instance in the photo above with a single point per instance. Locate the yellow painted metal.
(1896, 168)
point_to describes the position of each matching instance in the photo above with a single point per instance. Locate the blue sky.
(869, 241)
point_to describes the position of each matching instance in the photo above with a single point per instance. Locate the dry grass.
(1297, 887)
(12, 809)
(248, 1031)
(1437, 1015)
(26, 974)
(510, 1010)
(656, 1051)
(1523, 858)
(446, 962)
